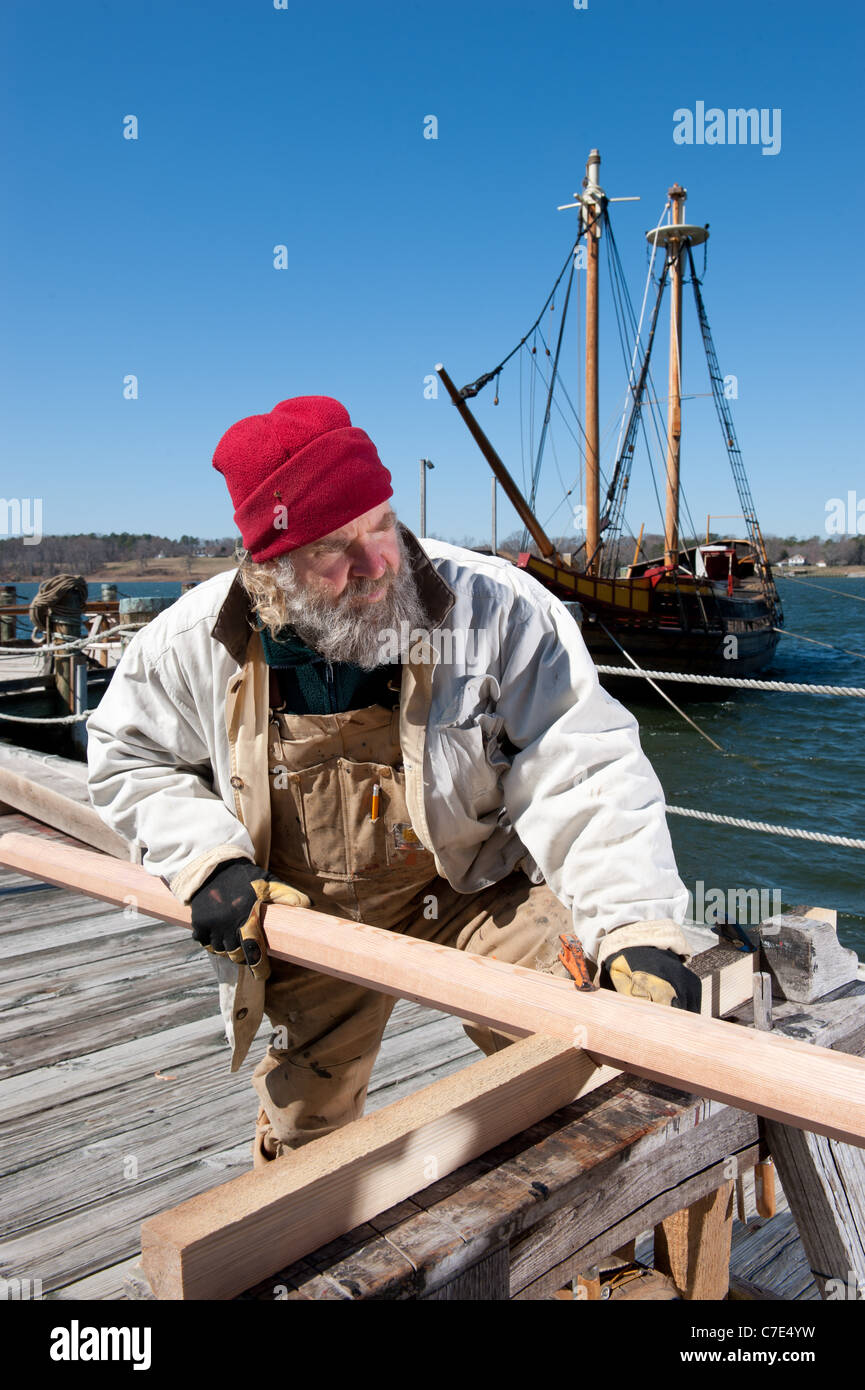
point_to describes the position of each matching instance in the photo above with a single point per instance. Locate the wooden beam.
(223, 1241)
(777, 1077)
(33, 789)
(693, 1246)
(824, 1183)
(491, 1097)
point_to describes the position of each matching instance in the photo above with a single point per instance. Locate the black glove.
(646, 972)
(226, 912)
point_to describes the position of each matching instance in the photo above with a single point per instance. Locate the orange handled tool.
(574, 961)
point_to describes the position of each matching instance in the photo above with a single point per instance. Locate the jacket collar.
(235, 622)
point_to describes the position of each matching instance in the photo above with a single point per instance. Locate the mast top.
(676, 230)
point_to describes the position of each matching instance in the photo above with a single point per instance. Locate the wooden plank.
(773, 1076)
(627, 1147)
(486, 1281)
(825, 1186)
(824, 1182)
(693, 1246)
(65, 812)
(223, 1242)
(770, 1255)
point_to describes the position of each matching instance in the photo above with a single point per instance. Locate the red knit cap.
(299, 473)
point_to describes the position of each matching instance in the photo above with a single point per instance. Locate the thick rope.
(61, 597)
(74, 643)
(57, 719)
(791, 687)
(765, 828)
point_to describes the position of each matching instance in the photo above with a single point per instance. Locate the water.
(792, 760)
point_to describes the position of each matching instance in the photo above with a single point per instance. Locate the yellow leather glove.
(646, 972)
(226, 912)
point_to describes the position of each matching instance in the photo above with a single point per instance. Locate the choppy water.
(794, 760)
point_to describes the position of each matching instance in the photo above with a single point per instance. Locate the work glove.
(646, 972)
(226, 912)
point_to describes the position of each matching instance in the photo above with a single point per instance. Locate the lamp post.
(424, 465)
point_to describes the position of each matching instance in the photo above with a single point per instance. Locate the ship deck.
(117, 1102)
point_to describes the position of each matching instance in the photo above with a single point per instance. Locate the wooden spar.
(777, 1077)
(677, 196)
(591, 207)
(509, 487)
(638, 546)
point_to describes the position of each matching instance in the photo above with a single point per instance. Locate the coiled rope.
(765, 828)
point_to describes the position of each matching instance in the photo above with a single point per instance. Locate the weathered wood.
(623, 1150)
(825, 1186)
(55, 794)
(804, 956)
(221, 1243)
(689, 1190)
(763, 1001)
(693, 1246)
(773, 1076)
(487, 1281)
(769, 1255)
(824, 1181)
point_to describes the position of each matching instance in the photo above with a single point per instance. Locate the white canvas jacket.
(513, 755)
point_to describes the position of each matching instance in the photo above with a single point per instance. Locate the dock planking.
(116, 1101)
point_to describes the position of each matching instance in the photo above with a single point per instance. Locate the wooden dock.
(117, 1101)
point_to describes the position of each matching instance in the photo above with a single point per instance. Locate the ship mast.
(592, 203)
(675, 249)
(676, 238)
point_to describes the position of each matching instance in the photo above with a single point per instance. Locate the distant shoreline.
(179, 571)
(161, 571)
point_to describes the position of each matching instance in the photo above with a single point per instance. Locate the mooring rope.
(765, 828)
(794, 579)
(47, 719)
(638, 671)
(800, 637)
(791, 687)
(74, 643)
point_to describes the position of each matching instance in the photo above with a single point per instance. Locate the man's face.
(347, 593)
(359, 560)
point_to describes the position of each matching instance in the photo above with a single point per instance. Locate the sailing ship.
(704, 608)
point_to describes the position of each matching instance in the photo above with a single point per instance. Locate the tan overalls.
(324, 841)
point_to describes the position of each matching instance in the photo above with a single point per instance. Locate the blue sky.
(304, 126)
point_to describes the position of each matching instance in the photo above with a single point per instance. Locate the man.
(409, 735)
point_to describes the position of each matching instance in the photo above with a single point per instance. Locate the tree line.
(87, 553)
(82, 554)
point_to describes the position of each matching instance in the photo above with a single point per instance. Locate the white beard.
(342, 629)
